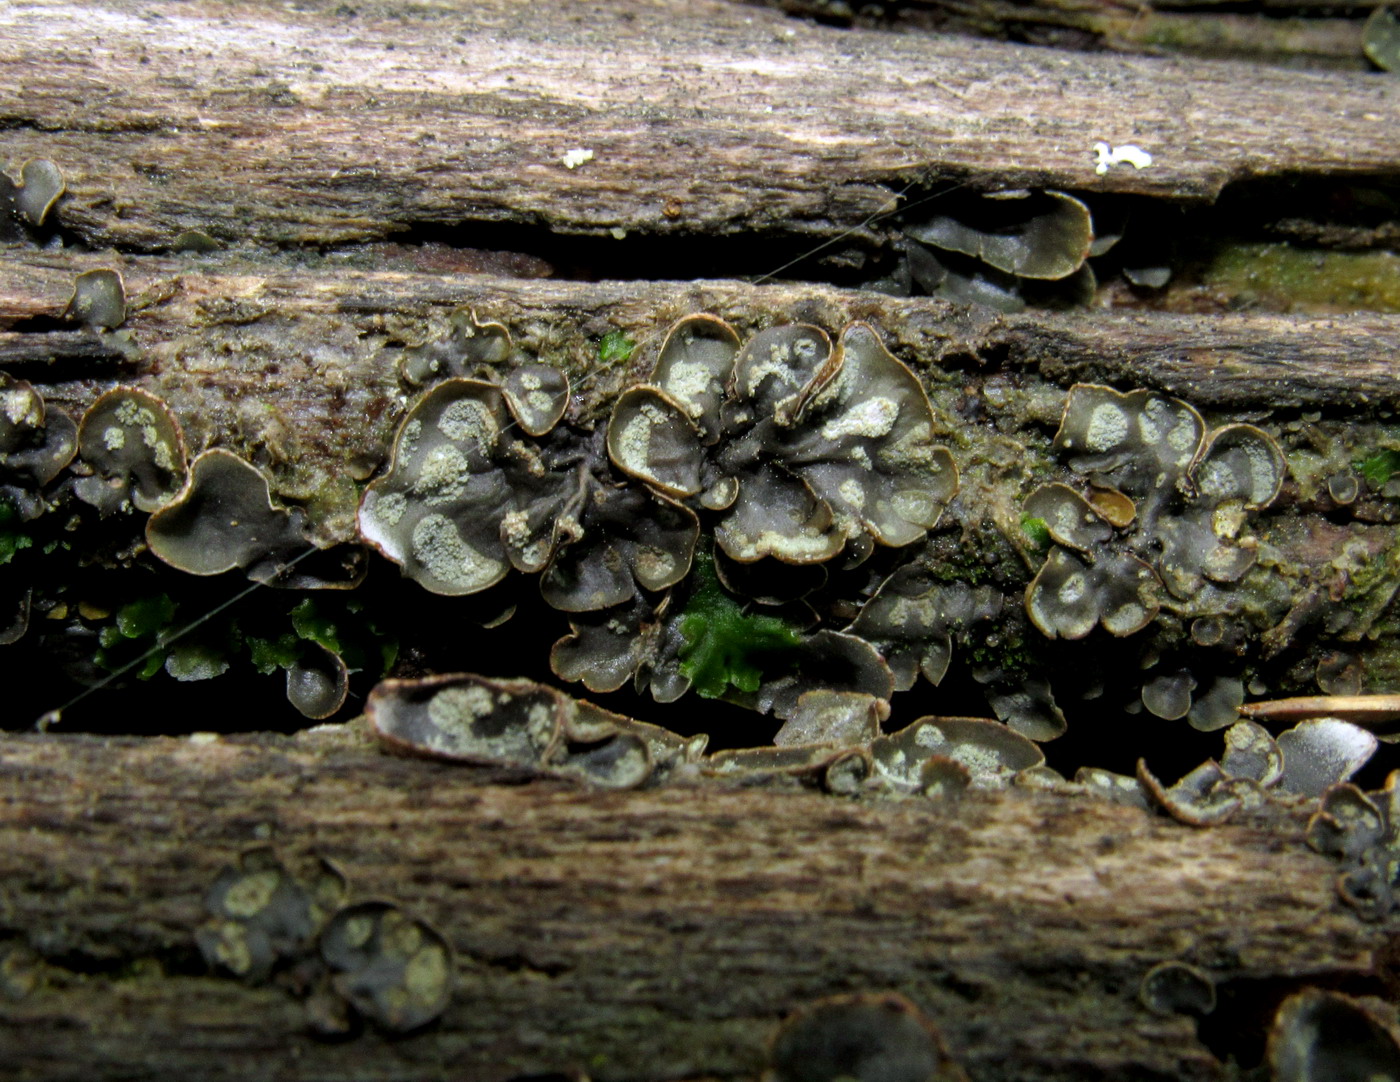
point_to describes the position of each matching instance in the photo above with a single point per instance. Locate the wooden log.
(1290, 32)
(648, 935)
(220, 337)
(326, 124)
(659, 934)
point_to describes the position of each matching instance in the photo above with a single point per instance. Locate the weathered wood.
(1291, 32)
(649, 935)
(324, 124)
(223, 338)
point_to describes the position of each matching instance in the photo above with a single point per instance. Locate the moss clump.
(724, 645)
(343, 629)
(12, 537)
(351, 635)
(137, 632)
(197, 661)
(1378, 468)
(268, 655)
(615, 346)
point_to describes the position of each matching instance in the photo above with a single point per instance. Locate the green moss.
(724, 645)
(196, 661)
(350, 634)
(1377, 469)
(12, 538)
(269, 655)
(615, 346)
(145, 618)
(136, 632)
(1036, 530)
(310, 623)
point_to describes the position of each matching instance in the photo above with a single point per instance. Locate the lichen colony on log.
(965, 649)
(800, 524)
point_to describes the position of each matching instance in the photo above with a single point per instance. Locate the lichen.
(856, 535)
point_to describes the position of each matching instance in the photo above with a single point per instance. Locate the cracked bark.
(702, 118)
(1287, 32)
(657, 934)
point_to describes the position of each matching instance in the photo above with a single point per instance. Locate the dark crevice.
(133, 125)
(676, 256)
(1248, 249)
(1279, 35)
(517, 963)
(1266, 226)
(167, 962)
(65, 354)
(1237, 1029)
(48, 325)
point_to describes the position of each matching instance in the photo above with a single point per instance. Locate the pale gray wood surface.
(320, 123)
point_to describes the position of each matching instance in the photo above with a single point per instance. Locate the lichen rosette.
(797, 448)
(1164, 506)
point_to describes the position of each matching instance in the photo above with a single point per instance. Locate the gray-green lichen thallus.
(357, 962)
(800, 523)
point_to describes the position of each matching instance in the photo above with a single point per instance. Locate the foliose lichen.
(796, 523)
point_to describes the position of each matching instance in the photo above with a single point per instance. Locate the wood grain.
(223, 337)
(323, 123)
(648, 935)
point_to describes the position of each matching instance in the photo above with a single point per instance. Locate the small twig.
(1368, 711)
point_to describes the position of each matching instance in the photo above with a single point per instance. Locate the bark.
(318, 345)
(250, 123)
(649, 935)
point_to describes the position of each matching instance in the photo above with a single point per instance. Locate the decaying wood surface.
(650, 935)
(1291, 32)
(222, 339)
(324, 123)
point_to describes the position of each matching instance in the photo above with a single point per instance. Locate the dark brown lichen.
(224, 518)
(1323, 1036)
(136, 449)
(1258, 771)
(989, 752)
(862, 1038)
(99, 300)
(810, 448)
(1177, 988)
(262, 915)
(522, 726)
(393, 969)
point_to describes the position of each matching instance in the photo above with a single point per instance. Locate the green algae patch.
(1036, 531)
(1287, 278)
(1378, 468)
